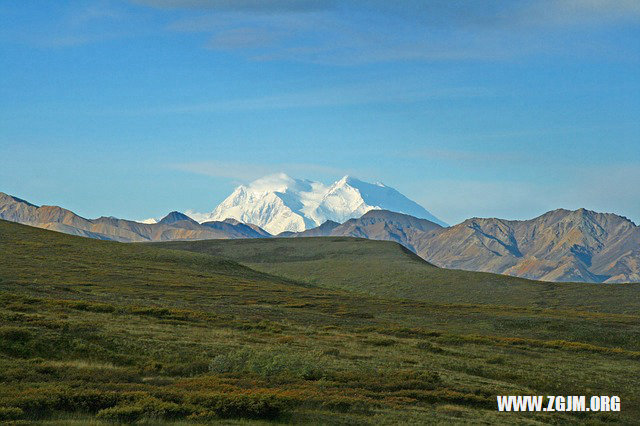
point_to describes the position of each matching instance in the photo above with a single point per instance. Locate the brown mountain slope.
(377, 225)
(175, 226)
(560, 245)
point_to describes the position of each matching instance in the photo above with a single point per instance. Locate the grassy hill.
(387, 269)
(97, 331)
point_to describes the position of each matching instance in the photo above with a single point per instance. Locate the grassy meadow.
(322, 331)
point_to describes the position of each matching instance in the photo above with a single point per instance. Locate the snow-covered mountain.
(279, 203)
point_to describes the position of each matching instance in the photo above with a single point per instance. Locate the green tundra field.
(314, 330)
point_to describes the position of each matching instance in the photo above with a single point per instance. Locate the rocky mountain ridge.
(560, 245)
(174, 226)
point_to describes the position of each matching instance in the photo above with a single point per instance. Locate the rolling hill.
(99, 331)
(561, 245)
(388, 269)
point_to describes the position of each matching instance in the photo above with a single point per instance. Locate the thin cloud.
(93, 12)
(359, 94)
(354, 33)
(444, 13)
(77, 26)
(260, 6)
(569, 13)
(244, 172)
(236, 171)
(245, 38)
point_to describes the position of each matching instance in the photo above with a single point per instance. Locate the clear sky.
(469, 107)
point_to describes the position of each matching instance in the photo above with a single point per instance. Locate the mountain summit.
(175, 217)
(279, 203)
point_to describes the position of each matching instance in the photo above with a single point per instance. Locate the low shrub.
(10, 413)
(89, 401)
(16, 341)
(448, 396)
(15, 334)
(497, 360)
(271, 363)
(38, 402)
(147, 407)
(92, 307)
(187, 368)
(223, 405)
(121, 414)
(151, 311)
(430, 347)
(410, 332)
(380, 341)
(389, 382)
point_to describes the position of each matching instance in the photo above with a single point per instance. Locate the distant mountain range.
(279, 203)
(174, 226)
(560, 245)
(377, 225)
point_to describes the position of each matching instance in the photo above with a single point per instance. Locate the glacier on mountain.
(279, 203)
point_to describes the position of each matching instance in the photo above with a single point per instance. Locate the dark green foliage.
(380, 341)
(238, 405)
(144, 408)
(428, 346)
(10, 413)
(16, 341)
(387, 269)
(272, 363)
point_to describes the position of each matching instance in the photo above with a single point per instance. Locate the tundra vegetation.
(324, 331)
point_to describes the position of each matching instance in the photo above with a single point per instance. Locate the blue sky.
(471, 108)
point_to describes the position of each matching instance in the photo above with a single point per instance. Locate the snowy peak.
(280, 203)
(378, 196)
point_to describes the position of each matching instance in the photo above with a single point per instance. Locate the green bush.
(151, 311)
(88, 400)
(428, 346)
(10, 413)
(187, 368)
(380, 341)
(93, 307)
(18, 335)
(43, 401)
(272, 363)
(390, 381)
(238, 405)
(147, 407)
(121, 414)
(331, 352)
